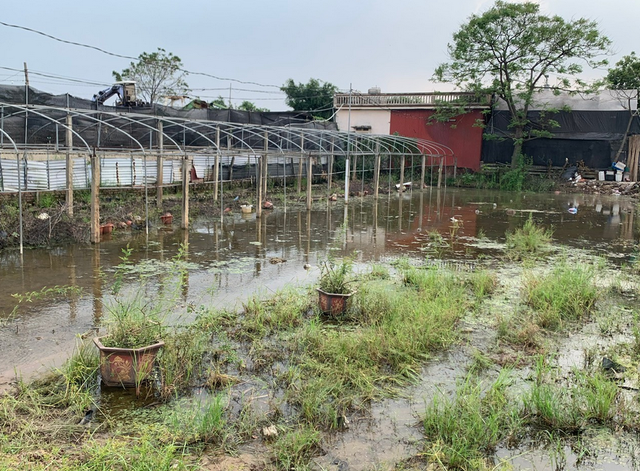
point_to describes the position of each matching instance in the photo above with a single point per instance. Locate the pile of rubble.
(597, 187)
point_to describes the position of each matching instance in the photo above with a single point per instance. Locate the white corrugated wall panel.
(9, 174)
(81, 174)
(37, 176)
(57, 174)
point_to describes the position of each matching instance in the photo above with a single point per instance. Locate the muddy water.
(233, 258)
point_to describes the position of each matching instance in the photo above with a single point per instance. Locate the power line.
(73, 43)
(58, 77)
(88, 46)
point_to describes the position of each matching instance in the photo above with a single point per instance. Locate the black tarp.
(591, 136)
(41, 130)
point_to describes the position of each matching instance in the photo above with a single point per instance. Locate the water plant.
(530, 240)
(464, 430)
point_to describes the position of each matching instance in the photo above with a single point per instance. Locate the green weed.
(482, 283)
(528, 241)
(568, 293)
(295, 448)
(465, 429)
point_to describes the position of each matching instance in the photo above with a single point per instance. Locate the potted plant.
(128, 350)
(135, 327)
(335, 286)
(167, 218)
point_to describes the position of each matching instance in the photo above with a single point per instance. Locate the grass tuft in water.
(529, 241)
(283, 311)
(464, 430)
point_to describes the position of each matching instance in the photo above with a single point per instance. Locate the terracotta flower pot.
(126, 367)
(333, 304)
(106, 228)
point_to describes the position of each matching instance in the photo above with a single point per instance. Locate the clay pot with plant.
(336, 286)
(135, 326)
(128, 350)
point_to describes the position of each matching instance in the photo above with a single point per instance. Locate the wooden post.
(186, 164)
(440, 172)
(300, 164)
(259, 164)
(376, 172)
(401, 189)
(330, 168)
(216, 165)
(422, 171)
(265, 167)
(69, 145)
(354, 174)
(229, 145)
(95, 198)
(309, 180)
(160, 165)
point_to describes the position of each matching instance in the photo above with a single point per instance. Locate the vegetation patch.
(529, 241)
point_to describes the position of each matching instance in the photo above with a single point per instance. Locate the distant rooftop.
(420, 100)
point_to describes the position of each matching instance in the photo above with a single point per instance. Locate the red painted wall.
(465, 140)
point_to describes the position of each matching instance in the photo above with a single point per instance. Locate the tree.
(156, 74)
(312, 96)
(511, 49)
(626, 76)
(250, 106)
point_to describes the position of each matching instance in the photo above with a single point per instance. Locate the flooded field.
(61, 293)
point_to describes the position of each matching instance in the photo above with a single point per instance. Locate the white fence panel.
(10, 174)
(57, 174)
(37, 176)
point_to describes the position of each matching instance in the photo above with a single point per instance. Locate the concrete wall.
(378, 119)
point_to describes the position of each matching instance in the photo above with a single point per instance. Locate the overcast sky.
(392, 44)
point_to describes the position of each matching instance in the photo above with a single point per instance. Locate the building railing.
(416, 100)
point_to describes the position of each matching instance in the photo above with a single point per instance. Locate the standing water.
(232, 259)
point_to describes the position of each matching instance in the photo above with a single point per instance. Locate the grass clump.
(568, 293)
(181, 360)
(283, 311)
(199, 421)
(393, 331)
(482, 283)
(529, 241)
(568, 406)
(295, 448)
(463, 431)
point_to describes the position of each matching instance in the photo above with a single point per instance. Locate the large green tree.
(312, 96)
(156, 74)
(511, 49)
(626, 74)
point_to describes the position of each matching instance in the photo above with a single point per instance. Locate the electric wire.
(104, 51)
